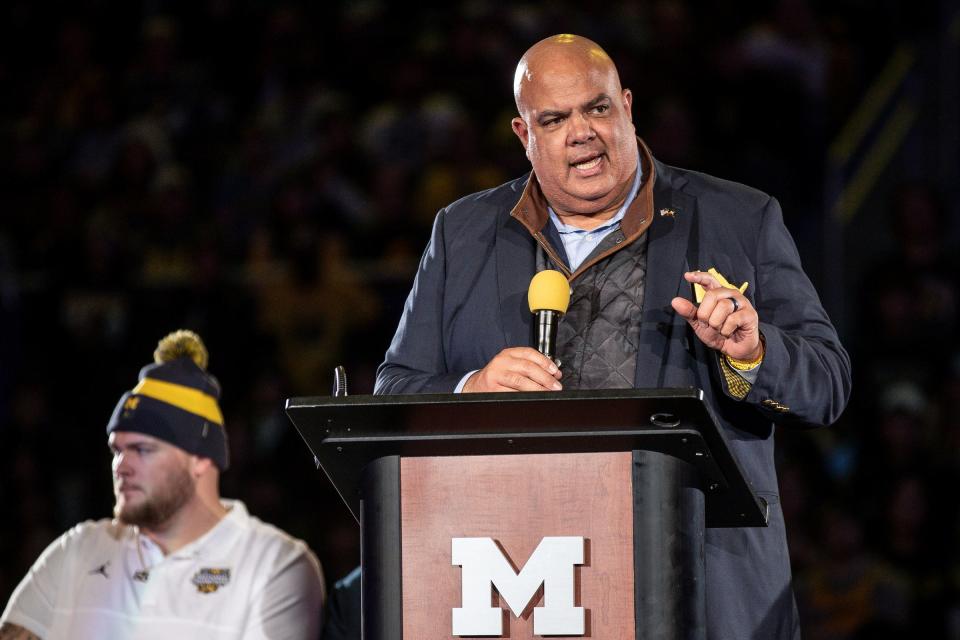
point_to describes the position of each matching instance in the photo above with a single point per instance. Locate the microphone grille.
(549, 290)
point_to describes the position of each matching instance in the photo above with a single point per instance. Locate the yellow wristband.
(747, 365)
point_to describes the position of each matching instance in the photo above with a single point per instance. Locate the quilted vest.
(598, 337)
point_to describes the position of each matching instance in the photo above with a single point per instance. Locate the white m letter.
(552, 564)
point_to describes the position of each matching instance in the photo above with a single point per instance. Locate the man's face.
(578, 131)
(151, 479)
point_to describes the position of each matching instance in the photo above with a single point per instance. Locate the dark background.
(266, 174)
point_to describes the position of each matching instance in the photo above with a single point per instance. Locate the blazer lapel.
(667, 248)
(516, 265)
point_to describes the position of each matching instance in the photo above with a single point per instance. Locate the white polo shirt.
(242, 579)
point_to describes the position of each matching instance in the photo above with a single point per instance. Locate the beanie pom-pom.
(182, 344)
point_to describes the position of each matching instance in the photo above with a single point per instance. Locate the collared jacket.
(468, 303)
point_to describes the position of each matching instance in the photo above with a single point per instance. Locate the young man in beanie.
(176, 561)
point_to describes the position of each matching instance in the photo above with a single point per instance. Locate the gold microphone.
(549, 297)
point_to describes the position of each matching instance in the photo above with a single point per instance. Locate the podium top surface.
(346, 433)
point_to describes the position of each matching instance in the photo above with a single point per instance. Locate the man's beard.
(158, 508)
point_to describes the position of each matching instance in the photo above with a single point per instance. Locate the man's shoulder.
(704, 186)
(276, 554)
(266, 536)
(100, 538)
(90, 532)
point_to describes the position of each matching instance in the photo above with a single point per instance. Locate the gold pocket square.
(699, 291)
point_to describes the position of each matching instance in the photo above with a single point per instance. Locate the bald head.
(576, 127)
(564, 53)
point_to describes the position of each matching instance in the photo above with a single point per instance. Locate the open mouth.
(588, 165)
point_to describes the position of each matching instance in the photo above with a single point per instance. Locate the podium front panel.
(517, 500)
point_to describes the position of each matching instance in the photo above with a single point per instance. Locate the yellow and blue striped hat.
(176, 400)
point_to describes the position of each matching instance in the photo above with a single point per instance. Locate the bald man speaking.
(650, 252)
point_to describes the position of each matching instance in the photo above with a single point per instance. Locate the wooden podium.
(637, 474)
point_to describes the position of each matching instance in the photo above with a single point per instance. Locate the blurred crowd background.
(266, 174)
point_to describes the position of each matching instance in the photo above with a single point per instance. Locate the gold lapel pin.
(669, 213)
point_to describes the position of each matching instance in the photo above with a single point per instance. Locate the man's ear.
(200, 465)
(520, 129)
(627, 97)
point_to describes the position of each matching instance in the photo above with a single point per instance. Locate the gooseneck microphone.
(549, 297)
(339, 381)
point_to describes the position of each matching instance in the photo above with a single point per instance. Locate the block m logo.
(484, 566)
